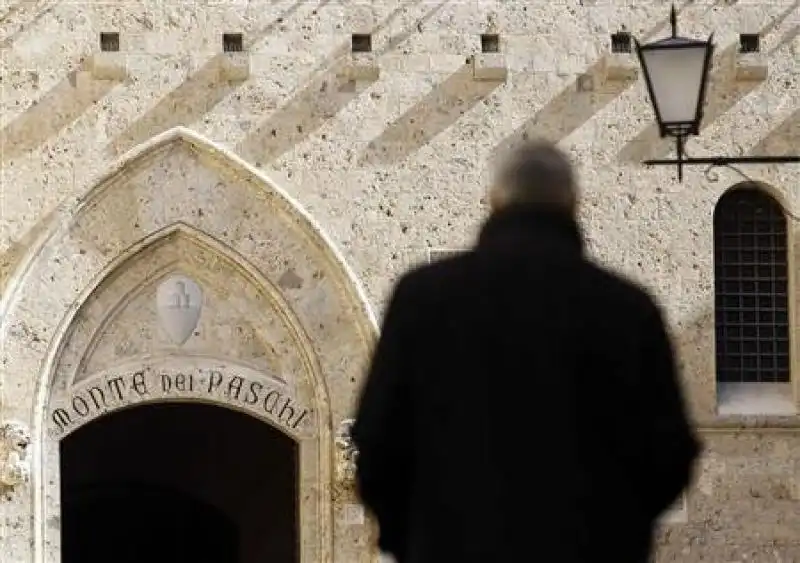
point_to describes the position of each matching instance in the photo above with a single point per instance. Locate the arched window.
(751, 286)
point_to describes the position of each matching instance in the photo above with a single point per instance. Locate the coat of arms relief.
(179, 301)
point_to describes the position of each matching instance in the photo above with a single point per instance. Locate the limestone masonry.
(208, 201)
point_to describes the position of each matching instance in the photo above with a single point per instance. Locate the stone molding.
(181, 184)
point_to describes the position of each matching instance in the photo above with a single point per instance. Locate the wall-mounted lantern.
(676, 72)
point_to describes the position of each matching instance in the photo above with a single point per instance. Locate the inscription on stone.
(148, 384)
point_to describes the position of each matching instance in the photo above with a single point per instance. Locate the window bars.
(751, 289)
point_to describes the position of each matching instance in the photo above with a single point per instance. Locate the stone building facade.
(205, 204)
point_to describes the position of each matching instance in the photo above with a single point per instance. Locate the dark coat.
(522, 405)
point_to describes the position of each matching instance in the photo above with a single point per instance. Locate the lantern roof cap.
(675, 43)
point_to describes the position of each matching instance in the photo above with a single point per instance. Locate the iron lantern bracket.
(683, 160)
(680, 131)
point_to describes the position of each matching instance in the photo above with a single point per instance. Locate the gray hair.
(537, 173)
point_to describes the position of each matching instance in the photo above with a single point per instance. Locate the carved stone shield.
(179, 301)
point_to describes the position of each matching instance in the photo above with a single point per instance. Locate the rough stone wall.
(395, 165)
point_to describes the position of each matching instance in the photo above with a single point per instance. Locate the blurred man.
(523, 402)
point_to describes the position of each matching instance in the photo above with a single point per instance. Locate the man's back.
(522, 403)
(525, 379)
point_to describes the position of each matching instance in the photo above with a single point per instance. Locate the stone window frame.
(756, 396)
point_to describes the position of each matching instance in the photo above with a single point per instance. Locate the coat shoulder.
(622, 292)
(427, 277)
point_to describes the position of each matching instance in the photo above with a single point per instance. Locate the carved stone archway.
(281, 314)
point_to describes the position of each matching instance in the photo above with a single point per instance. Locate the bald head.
(536, 174)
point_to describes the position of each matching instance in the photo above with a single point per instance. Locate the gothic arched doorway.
(178, 482)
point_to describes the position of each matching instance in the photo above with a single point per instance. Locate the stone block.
(363, 67)
(109, 65)
(751, 67)
(490, 67)
(621, 67)
(84, 79)
(236, 66)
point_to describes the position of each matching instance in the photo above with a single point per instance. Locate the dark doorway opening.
(178, 483)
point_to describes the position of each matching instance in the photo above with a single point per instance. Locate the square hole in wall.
(490, 43)
(749, 43)
(232, 42)
(621, 42)
(109, 41)
(361, 43)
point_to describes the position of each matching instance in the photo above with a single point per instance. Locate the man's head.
(536, 174)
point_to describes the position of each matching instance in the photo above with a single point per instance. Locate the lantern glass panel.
(676, 75)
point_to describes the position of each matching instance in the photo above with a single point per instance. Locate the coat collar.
(532, 225)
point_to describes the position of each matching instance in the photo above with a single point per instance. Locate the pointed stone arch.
(181, 204)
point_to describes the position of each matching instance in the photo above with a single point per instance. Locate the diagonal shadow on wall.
(724, 92)
(786, 39)
(11, 258)
(784, 139)
(399, 38)
(56, 110)
(575, 105)
(27, 14)
(321, 99)
(195, 97)
(570, 109)
(429, 117)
